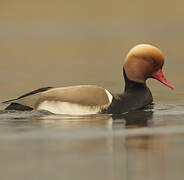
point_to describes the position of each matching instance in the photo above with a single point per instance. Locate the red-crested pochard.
(142, 62)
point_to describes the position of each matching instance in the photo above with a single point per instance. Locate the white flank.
(110, 97)
(58, 107)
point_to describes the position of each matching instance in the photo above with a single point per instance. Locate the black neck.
(131, 86)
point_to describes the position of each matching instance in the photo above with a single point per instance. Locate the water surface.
(145, 144)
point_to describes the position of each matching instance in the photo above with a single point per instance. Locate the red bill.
(161, 77)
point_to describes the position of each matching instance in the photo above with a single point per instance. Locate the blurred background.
(61, 43)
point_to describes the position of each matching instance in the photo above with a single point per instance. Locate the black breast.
(136, 96)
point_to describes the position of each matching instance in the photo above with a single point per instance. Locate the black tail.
(28, 94)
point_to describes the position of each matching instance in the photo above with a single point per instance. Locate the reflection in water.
(40, 145)
(140, 149)
(139, 118)
(60, 147)
(146, 156)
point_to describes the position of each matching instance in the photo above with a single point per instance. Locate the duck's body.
(90, 99)
(85, 99)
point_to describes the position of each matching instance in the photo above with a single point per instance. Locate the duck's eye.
(155, 64)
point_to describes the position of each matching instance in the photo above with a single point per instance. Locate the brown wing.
(88, 95)
(84, 95)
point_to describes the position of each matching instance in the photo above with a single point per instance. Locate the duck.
(142, 62)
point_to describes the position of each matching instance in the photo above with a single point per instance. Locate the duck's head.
(145, 61)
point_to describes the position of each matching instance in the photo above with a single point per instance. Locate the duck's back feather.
(88, 97)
